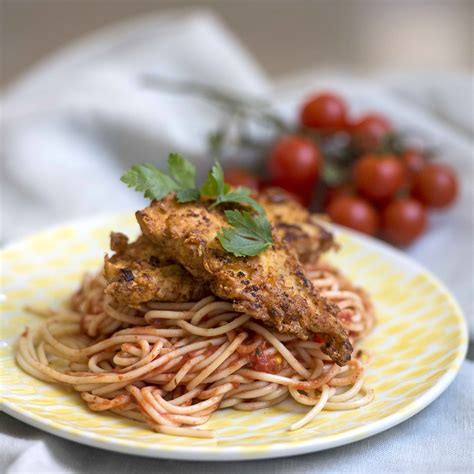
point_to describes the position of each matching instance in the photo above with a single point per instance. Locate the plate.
(418, 346)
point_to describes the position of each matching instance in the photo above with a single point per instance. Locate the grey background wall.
(362, 36)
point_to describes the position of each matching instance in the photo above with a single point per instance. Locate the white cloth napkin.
(72, 126)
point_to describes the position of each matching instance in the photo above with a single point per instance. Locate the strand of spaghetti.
(152, 331)
(234, 378)
(107, 378)
(305, 356)
(187, 410)
(31, 335)
(348, 394)
(96, 403)
(208, 308)
(287, 355)
(229, 361)
(251, 406)
(341, 294)
(159, 305)
(28, 368)
(193, 420)
(303, 399)
(64, 316)
(249, 348)
(182, 372)
(247, 386)
(109, 326)
(216, 331)
(147, 359)
(42, 354)
(318, 354)
(298, 384)
(220, 390)
(186, 396)
(162, 314)
(218, 319)
(208, 370)
(133, 350)
(228, 371)
(81, 354)
(357, 369)
(259, 392)
(229, 402)
(171, 364)
(110, 387)
(148, 407)
(93, 322)
(171, 418)
(350, 405)
(314, 411)
(280, 390)
(125, 318)
(93, 362)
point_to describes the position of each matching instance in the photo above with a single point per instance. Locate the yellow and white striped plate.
(418, 346)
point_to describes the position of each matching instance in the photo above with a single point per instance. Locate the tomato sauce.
(262, 362)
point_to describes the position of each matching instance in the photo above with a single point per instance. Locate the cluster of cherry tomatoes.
(383, 192)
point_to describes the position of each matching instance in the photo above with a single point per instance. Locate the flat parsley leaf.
(187, 195)
(155, 184)
(248, 236)
(182, 171)
(240, 195)
(215, 186)
(149, 180)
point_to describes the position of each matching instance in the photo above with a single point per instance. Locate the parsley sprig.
(215, 187)
(249, 233)
(156, 184)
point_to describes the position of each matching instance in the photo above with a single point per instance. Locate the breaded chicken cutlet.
(271, 287)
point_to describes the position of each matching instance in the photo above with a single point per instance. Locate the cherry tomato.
(241, 177)
(354, 212)
(413, 160)
(436, 185)
(324, 111)
(403, 221)
(294, 163)
(378, 177)
(334, 192)
(304, 198)
(370, 130)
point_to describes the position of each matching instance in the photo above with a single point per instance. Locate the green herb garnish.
(156, 184)
(215, 187)
(248, 235)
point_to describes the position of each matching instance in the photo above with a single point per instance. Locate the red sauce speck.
(345, 315)
(261, 362)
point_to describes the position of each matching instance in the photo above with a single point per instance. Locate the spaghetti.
(171, 365)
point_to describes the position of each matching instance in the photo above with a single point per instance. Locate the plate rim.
(230, 453)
